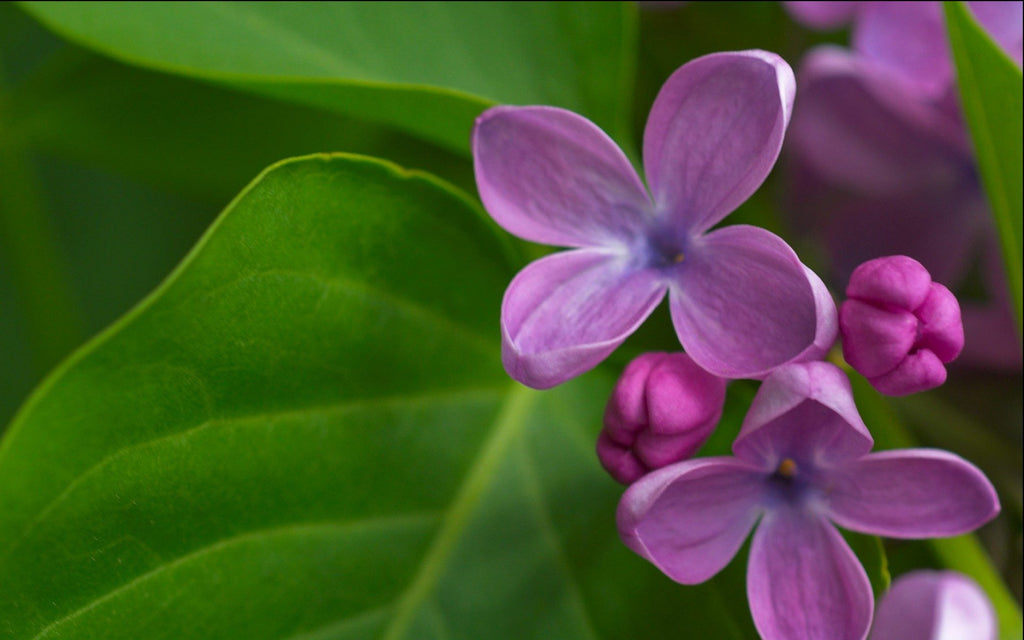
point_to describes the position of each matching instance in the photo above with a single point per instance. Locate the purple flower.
(899, 328)
(934, 605)
(878, 142)
(801, 463)
(879, 170)
(907, 40)
(662, 410)
(741, 301)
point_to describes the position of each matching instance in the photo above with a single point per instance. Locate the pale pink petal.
(714, 133)
(911, 493)
(934, 605)
(690, 518)
(551, 176)
(564, 313)
(804, 582)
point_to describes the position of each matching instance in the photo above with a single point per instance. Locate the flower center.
(789, 485)
(664, 250)
(787, 469)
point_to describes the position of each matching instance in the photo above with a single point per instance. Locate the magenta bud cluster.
(662, 410)
(899, 328)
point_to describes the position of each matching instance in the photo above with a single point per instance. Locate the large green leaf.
(990, 90)
(98, 156)
(305, 432)
(428, 67)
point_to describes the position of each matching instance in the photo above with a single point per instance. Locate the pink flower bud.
(899, 328)
(662, 410)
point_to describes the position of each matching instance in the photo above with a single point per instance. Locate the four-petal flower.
(741, 301)
(801, 463)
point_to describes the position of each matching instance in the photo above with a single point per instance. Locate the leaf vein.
(340, 407)
(405, 519)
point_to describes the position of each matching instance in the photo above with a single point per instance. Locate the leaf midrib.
(507, 425)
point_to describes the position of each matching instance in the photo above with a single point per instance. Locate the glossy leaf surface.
(307, 425)
(443, 63)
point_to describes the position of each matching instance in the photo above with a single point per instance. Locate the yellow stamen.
(787, 468)
(678, 258)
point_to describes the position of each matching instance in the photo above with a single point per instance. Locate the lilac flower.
(899, 328)
(662, 410)
(881, 169)
(801, 463)
(934, 605)
(879, 142)
(907, 40)
(880, 172)
(741, 301)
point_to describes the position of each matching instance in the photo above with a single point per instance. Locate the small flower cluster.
(743, 306)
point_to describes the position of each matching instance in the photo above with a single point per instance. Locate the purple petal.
(551, 176)
(714, 133)
(934, 605)
(875, 341)
(861, 130)
(907, 39)
(682, 397)
(942, 330)
(742, 304)
(690, 518)
(828, 320)
(804, 582)
(805, 412)
(822, 15)
(564, 313)
(912, 493)
(893, 281)
(657, 451)
(619, 460)
(919, 371)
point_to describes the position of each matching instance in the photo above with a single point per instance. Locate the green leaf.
(990, 91)
(429, 68)
(190, 137)
(306, 432)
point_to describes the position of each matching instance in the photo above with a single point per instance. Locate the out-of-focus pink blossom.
(881, 162)
(934, 605)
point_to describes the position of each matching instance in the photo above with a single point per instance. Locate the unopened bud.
(899, 328)
(662, 410)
